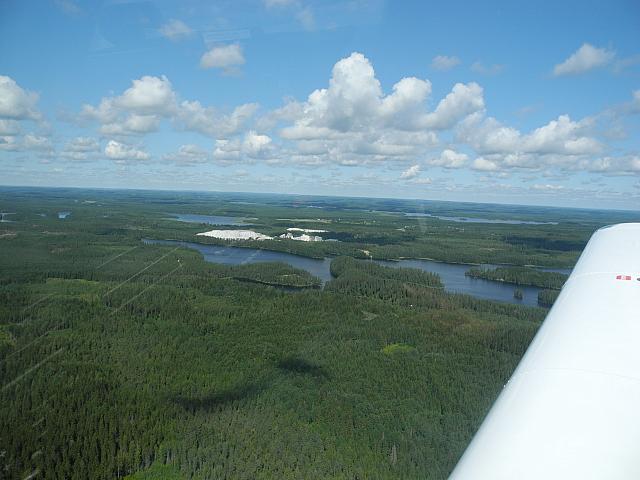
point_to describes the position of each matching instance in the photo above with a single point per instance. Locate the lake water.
(210, 219)
(452, 275)
(63, 215)
(240, 256)
(479, 220)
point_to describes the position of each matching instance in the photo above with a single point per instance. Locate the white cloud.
(586, 58)
(484, 165)
(449, 159)
(443, 62)
(148, 95)
(411, 172)
(8, 143)
(352, 122)
(80, 148)
(225, 57)
(562, 137)
(461, 102)
(36, 142)
(83, 144)
(15, 102)
(134, 124)
(142, 107)
(256, 145)
(252, 146)
(188, 154)
(175, 30)
(119, 151)
(209, 121)
(9, 127)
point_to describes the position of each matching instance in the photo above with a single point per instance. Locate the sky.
(498, 101)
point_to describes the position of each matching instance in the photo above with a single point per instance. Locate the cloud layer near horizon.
(349, 122)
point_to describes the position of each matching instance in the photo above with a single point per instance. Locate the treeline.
(341, 265)
(274, 273)
(520, 276)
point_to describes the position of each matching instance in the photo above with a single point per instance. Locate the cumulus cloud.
(443, 62)
(189, 154)
(141, 108)
(36, 142)
(586, 58)
(253, 146)
(484, 165)
(15, 102)
(138, 110)
(560, 137)
(353, 122)
(461, 102)
(192, 115)
(449, 159)
(80, 148)
(148, 95)
(30, 142)
(225, 57)
(122, 152)
(410, 172)
(256, 145)
(175, 30)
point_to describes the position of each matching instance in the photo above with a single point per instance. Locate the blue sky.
(506, 101)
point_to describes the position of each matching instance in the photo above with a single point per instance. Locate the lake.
(210, 219)
(63, 215)
(452, 274)
(479, 220)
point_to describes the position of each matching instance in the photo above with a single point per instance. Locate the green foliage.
(547, 298)
(396, 348)
(118, 358)
(520, 276)
(275, 274)
(157, 471)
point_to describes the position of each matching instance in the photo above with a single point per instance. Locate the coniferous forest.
(120, 359)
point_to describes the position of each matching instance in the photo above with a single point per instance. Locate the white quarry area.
(235, 235)
(303, 238)
(305, 230)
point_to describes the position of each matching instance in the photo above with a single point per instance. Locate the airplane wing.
(571, 410)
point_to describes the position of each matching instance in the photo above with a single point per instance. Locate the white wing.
(571, 410)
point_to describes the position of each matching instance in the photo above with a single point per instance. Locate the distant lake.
(479, 220)
(63, 215)
(452, 275)
(210, 219)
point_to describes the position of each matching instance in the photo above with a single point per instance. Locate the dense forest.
(547, 298)
(521, 276)
(125, 360)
